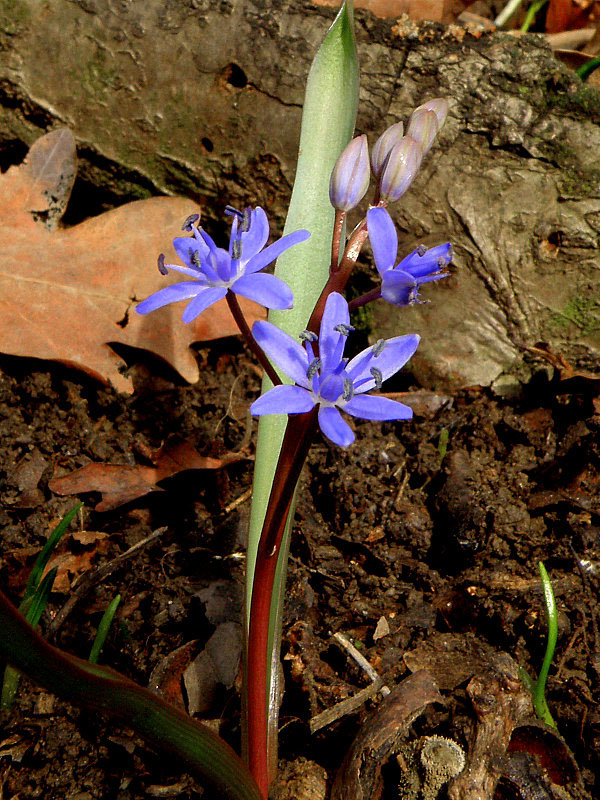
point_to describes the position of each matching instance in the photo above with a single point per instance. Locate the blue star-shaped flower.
(332, 381)
(400, 284)
(215, 271)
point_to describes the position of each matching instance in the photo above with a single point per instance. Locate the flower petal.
(332, 342)
(267, 290)
(334, 427)
(383, 238)
(392, 358)
(184, 244)
(398, 287)
(285, 351)
(205, 299)
(256, 237)
(192, 272)
(273, 251)
(419, 265)
(283, 400)
(170, 294)
(367, 406)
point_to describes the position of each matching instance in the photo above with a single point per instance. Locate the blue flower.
(330, 380)
(215, 271)
(400, 284)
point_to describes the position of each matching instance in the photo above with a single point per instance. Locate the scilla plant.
(311, 386)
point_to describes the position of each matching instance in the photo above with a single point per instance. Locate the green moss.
(583, 312)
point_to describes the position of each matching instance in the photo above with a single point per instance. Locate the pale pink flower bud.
(383, 145)
(400, 168)
(351, 175)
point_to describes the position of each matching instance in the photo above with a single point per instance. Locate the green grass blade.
(42, 560)
(35, 608)
(103, 629)
(539, 695)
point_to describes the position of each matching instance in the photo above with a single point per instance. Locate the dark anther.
(377, 376)
(196, 260)
(421, 250)
(344, 329)
(233, 212)
(313, 368)
(161, 265)
(378, 347)
(187, 225)
(236, 249)
(308, 336)
(441, 262)
(348, 393)
(246, 220)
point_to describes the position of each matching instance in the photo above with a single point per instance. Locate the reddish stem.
(365, 298)
(294, 449)
(338, 227)
(240, 320)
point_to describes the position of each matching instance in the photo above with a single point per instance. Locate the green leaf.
(103, 629)
(328, 120)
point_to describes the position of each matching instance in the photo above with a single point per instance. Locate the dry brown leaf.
(122, 483)
(67, 294)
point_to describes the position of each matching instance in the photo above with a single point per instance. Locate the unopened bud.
(439, 106)
(426, 122)
(351, 174)
(401, 166)
(383, 145)
(423, 128)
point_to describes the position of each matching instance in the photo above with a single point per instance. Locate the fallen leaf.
(67, 294)
(122, 483)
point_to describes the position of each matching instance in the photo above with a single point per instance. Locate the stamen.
(187, 225)
(313, 368)
(308, 336)
(161, 265)
(236, 249)
(233, 212)
(344, 329)
(377, 376)
(421, 250)
(441, 262)
(195, 258)
(348, 393)
(378, 347)
(246, 220)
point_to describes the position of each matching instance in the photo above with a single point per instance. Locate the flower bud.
(383, 145)
(400, 168)
(439, 106)
(351, 175)
(426, 122)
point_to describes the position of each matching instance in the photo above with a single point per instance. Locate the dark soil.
(385, 529)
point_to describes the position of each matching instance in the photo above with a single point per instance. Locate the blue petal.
(419, 265)
(286, 352)
(199, 304)
(254, 239)
(332, 342)
(193, 272)
(334, 427)
(171, 294)
(283, 400)
(273, 251)
(367, 406)
(267, 290)
(331, 388)
(398, 287)
(183, 245)
(383, 238)
(392, 358)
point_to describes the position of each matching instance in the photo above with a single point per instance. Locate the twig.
(360, 660)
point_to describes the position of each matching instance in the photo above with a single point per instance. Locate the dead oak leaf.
(121, 483)
(66, 294)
